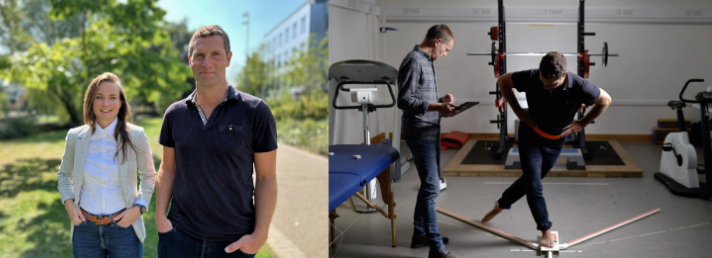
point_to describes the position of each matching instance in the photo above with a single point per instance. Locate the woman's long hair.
(121, 134)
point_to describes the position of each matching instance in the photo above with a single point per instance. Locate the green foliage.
(308, 133)
(17, 127)
(308, 69)
(4, 103)
(284, 107)
(258, 77)
(13, 23)
(126, 39)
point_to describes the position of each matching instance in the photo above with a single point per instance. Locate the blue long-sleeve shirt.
(418, 86)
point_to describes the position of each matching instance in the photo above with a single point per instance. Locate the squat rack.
(499, 62)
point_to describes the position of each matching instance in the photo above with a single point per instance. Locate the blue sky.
(264, 16)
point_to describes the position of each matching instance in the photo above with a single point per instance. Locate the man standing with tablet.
(422, 109)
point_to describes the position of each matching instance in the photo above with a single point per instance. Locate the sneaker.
(443, 184)
(421, 241)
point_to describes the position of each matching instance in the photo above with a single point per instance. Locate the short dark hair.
(440, 31)
(553, 65)
(207, 31)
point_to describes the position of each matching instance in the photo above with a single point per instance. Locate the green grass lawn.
(33, 222)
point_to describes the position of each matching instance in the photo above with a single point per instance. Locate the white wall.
(655, 60)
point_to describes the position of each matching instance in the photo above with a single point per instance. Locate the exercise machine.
(678, 164)
(498, 54)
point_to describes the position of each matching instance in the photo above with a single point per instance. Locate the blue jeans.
(109, 240)
(426, 155)
(177, 244)
(537, 157)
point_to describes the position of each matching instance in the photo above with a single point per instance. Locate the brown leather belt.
(100, 220)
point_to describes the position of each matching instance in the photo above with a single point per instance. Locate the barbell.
(585, 56)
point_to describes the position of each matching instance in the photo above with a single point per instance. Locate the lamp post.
(246, 22)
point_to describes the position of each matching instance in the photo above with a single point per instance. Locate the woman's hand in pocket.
(127, 217)
(74, 212)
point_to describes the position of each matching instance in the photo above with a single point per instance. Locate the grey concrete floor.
(682, 228)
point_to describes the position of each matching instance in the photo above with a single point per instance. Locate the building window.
(286, 35)
(280, 40)
(294, 30)
(302, 46)
(304, 25)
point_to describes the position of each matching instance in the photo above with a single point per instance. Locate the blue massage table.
(348, 175)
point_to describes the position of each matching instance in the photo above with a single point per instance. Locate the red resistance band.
(546, 135)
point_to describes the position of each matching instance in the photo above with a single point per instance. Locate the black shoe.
(421, 241)
(446, 255)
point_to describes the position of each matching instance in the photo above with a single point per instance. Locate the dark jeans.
(537, 157)
(426, 155)
(177, 244)
(109, 240)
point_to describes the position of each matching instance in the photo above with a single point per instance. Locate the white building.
(293, 32)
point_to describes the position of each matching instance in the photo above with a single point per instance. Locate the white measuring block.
(574, 159)
(551, 251)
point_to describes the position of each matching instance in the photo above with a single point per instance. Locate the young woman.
(97, 178)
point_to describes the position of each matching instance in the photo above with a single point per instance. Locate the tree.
(309, 68)
(261, 77)
(127, 39)
(14, 21)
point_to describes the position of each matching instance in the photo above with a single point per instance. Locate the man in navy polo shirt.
(553, 95)
(211, 140)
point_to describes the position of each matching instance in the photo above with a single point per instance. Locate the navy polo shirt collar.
(232, 93)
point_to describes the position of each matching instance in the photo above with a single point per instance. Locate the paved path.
(300, 223)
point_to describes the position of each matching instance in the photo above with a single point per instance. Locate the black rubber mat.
(481, 154)
(602, 154)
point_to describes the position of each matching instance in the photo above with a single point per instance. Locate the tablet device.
(465, 106)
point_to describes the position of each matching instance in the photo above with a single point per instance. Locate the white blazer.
(71, 171)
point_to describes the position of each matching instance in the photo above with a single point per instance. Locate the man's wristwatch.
(141, 208)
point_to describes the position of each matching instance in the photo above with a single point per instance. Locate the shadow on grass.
(26, 175)
(48, 231)
(46, 226)
(3, 215)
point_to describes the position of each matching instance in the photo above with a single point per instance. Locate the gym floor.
(576, 208)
